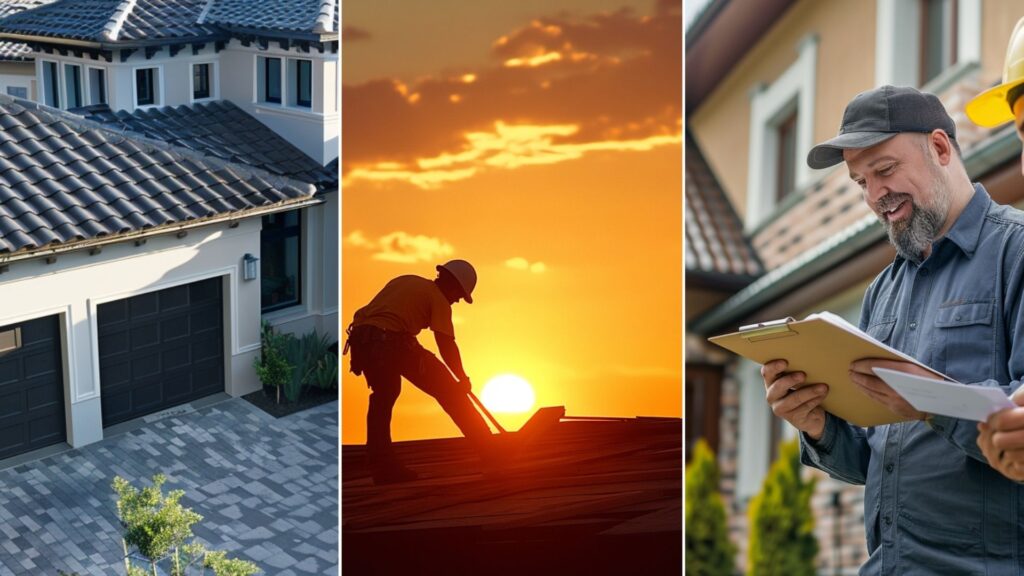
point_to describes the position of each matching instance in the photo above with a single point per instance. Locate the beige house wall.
(846, 55)
(998, 18)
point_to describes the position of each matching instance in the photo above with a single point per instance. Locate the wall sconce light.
(249, 270)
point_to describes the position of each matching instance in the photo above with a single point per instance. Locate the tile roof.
(17, 51)
(583, 497)
(222, 130)
(714, 239)
(312, 16)
(64, 180)
(135, 22)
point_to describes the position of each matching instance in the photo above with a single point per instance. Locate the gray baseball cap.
(875, 116)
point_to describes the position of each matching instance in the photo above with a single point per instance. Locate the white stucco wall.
(19, 74)
(78, 282)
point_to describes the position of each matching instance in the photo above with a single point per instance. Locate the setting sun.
(508, 393)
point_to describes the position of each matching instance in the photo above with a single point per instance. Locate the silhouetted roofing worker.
(384, 348)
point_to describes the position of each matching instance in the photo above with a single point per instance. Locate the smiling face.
(1018, 113)
(904, 184)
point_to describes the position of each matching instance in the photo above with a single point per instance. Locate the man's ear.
(940, 143)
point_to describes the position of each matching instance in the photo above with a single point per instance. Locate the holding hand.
(1001, 440)
(800, 407)
(465, 386)
(879, 391)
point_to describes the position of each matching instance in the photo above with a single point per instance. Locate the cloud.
(558, 88)
(354, 34)
(519, 263)
(401, 247)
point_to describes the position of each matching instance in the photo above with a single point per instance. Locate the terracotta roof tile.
(714, 239)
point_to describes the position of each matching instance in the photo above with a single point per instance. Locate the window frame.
(769, 105)
(267, 99)
(157, 87)
(898, 51)
(104, 92)
(79, 85)
(213, 86)
(55, 90)
(279, 236)
(298, 82)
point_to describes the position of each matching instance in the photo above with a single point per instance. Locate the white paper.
(946, 398)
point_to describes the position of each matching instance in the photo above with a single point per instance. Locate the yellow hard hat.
(991, 108)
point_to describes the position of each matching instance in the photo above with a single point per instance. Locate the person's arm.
(450, 354)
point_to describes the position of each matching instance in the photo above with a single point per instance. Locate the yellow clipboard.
(823, 346)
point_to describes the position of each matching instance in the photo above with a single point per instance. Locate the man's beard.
(914, 235)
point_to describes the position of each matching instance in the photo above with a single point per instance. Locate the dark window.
(304, 83)
(281, 260)
(73, 85)
(51, 85)
(144, 87)
(785, 169)
(703, 405)
(97, 86)
(938, 37)
(17, 91)
(200, 81)
(272, 79)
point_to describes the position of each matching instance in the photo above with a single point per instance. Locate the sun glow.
(508, 393)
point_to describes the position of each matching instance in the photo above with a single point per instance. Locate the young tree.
(782, 538)
(708, 549)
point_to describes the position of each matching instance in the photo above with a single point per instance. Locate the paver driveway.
(267, 490)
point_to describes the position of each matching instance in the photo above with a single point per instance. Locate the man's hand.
(800, 407)
(1001, 440)
(465, 386)
(876, 388)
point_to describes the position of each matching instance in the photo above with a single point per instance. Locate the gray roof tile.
(17, 51)
(310, 16)
(222, 130)
(156, 21)
(53, 191)
(97, 21)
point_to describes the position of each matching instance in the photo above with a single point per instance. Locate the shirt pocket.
(963, 341)
(882, 329)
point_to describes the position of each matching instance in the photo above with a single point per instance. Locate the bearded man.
(951, 299)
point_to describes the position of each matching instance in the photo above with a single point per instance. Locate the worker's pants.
(384, 376)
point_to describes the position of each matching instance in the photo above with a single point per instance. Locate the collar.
(966, 231)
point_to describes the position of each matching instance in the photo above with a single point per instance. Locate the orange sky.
(541, 141)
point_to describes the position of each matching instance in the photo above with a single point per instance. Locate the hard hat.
(991, 108)
(465, 274)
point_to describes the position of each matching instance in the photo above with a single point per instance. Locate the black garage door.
(160, 349)
(32, 389)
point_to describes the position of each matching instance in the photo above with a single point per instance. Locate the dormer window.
(303, 83)
(147, 87)
(268, 73)
(51, 84)
(200, 81)
(73, 85)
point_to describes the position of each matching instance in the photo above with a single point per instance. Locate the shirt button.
(889, 467)
(957, 317)
(888, 520)
(923, 272)
(913, 325)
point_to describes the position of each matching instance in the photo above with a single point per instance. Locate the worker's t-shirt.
(408, 304)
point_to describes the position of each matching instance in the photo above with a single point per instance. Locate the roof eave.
(53, 250)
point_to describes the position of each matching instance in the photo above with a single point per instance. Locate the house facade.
(175, 185)
(765, 81)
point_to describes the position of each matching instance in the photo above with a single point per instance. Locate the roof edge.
(113, 28)
(295, 204)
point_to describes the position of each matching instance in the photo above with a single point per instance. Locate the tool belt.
(371, 346)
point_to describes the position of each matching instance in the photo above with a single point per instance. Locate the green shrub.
(782, 540)
(159, 529)
(708, 549)
(272, 365)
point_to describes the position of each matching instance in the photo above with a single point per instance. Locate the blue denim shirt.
(932, 504)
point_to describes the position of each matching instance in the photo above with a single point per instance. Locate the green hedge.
(708, 549)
